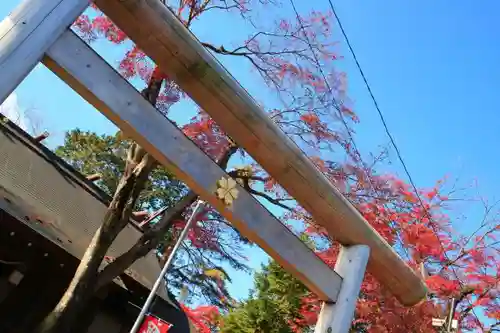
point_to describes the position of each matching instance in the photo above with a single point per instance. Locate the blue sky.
(433, 66)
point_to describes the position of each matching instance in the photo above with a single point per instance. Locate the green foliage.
(273, 304)
(90, 153)
(212, 242)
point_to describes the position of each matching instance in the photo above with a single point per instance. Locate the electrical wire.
(393, 143)
(318, 64)
(341, 116)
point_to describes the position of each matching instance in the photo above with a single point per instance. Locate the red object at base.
(153, 324)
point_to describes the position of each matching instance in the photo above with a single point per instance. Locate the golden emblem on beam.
(227, 190)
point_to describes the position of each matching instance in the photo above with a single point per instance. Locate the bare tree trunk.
(88, 279)
(81, 289)
(147, 242)
(79, 292)
(153, 236)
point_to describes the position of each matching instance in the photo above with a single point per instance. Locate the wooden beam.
(80, 67)
(26, 34)
(157, 31)
(351, 265)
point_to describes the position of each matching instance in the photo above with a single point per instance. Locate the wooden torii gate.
(38, 31)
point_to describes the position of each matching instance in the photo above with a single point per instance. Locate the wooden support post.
(351, 265)
(28, 32)
(89, 75)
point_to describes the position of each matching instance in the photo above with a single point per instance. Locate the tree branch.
(147, 242)
(246, 186)
(272, 200)
(152, 237)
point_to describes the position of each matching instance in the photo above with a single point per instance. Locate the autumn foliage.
(317, 115)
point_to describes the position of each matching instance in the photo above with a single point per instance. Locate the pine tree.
(273, 306)
(90, 153)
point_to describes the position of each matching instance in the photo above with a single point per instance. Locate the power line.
(318, 64)
(382, 118)
(391, 138)
(337, 107)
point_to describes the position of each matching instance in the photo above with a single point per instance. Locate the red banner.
(153, 324)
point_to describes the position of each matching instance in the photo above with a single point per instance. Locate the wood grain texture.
(79, 66)
(27, 32)
(351, 265)
(156, 30)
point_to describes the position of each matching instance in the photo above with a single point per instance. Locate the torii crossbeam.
(38, 31)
